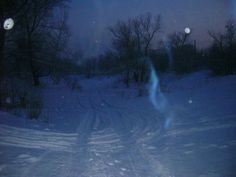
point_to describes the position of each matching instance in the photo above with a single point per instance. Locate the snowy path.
(118, 137)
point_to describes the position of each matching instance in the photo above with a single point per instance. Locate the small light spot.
(190, 101)
(96, 154)
(117, 161)
(123, 169)
(188, 152)
(8, 100)
(2, 167)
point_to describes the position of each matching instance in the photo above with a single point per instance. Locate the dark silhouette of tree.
(222, 53)
(145, 30)
(35, 47)
(185, 55)
(34, 25)
(124, 43)
(8, 8)
(132, 41)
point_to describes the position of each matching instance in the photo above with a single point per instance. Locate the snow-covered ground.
(106, 131)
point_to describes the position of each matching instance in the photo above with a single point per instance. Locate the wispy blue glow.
(157, 98)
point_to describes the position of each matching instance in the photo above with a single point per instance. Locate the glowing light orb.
(8, 24)
(190, 101)
(187, 30)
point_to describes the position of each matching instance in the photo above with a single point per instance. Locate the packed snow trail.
(99, 133)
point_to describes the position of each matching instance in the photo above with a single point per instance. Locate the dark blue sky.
(89, 19)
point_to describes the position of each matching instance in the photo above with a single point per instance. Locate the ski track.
(110, 141)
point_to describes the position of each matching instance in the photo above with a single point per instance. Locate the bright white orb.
(190, 101)
(187, 30)
(8, 24)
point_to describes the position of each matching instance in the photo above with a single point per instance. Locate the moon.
(8, 24)
(187, 30)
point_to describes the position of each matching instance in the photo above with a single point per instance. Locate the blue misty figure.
(158, 99)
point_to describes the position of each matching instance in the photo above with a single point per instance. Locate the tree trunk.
(33, 71)
(35, 77)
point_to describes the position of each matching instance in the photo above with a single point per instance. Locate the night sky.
(89, 19)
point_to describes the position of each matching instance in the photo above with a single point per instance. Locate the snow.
(107, 131)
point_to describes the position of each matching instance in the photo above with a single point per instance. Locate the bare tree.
(178, 40)
(184, 53)
(132, 41)
(223, 49)
(218, 39)
(8, 8)
(34, 23)
(57, 41)
(145, 29)
(124, 44)
(123, 40)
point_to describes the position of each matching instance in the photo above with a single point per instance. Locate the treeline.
(137, 42)
(36, 47)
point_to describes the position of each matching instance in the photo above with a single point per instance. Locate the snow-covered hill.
(101, 132)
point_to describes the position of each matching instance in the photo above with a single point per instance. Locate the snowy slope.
(100, 132)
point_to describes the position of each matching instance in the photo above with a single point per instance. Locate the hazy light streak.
(169, 52)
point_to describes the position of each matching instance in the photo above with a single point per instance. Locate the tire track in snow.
(138, 161)
(103, 145)
(54, 164)
(35, 139)
(199, 129)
